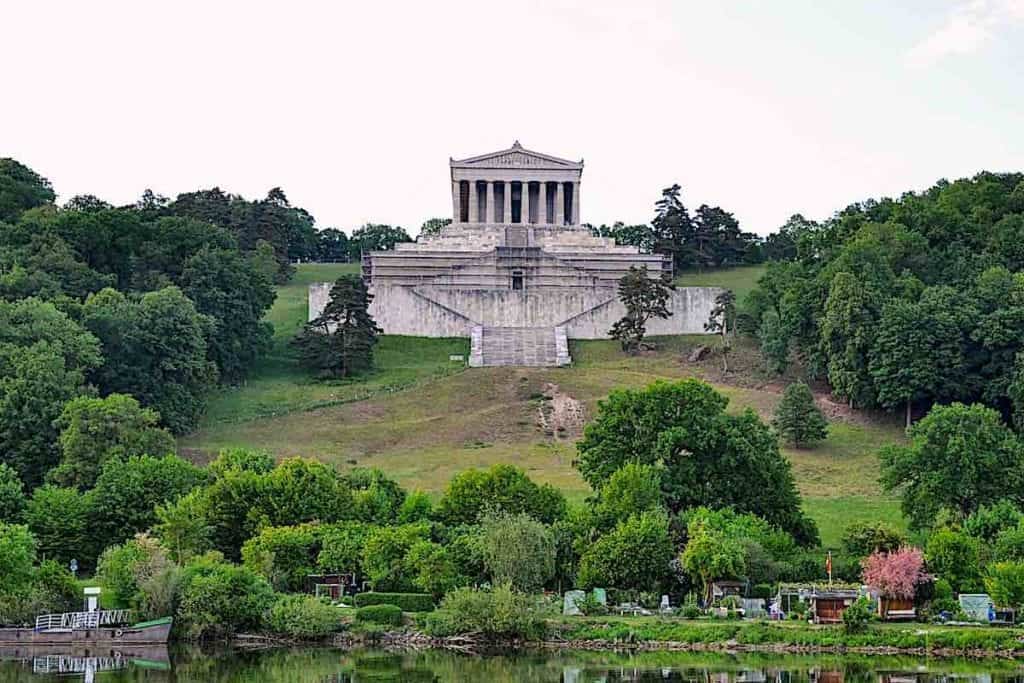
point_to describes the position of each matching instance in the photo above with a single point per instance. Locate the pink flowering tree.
(895, 574)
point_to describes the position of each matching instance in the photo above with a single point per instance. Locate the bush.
(390, 615)
(408, 602)
(499, 614)
(858, 616)
(221, 599)
(302, 616)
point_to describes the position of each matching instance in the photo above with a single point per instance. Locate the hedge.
(380, 614)
(409, 602)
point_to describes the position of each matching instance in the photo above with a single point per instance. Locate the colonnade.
(531, 202)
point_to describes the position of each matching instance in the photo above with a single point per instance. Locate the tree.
(284, 555)
(711, 555)
(339, 342)
(1004, 582)
(953, 556)
(384, 556)
(518, 550)
(634, 555)
(865, 538)
(232, 291)
(847, 333)
(60, 521)
(17, 557)
(432, 568)
(721, 320)
(331, 246)
(634, 487)
(708, 457)
(44, 359)
(502, 488)
(774, 342)
(798, 419)
(644, 298)
(94, 430)
(220, 599)
(376, 498)
(895, 574)
(988, 521)
(128, 491)
(12, 495)
(160, 343)
(341, 547)
(375, 237)
(917, 351)
(673, 229)
(21, 188)
(433, 226)
(959, 457)
(182, 527)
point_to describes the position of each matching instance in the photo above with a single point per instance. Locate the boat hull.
(157, 634)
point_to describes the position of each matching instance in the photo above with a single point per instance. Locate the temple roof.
(516, 156)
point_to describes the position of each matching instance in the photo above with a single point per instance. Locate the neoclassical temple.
(516, 187)
(515, 271)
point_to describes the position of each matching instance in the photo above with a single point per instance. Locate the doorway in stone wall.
(517, 280)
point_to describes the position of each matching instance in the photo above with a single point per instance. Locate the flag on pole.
(828, 567)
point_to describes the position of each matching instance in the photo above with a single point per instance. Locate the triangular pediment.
(516, 156)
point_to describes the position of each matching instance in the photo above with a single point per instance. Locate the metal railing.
(74, 621)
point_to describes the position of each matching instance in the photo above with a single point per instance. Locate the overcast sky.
(764, 108)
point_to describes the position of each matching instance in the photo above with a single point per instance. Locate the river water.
(330, 665)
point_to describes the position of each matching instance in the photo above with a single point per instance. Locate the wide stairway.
(519, 346)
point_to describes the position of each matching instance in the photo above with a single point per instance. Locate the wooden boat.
(101, 627)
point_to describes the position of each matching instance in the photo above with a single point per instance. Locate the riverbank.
(668, 634)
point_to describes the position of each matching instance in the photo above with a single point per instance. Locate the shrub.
(502, 488)
(302, 616)
(408, 602)
(17, 554)
(954, 556)
(141, 576)
(858, 616)
(498, 614)
(390, 615)
(384, 552)
(1004, 581)
(220, 599)
(689, 612)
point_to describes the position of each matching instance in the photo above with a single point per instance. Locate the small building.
(896, 609)
(723, 589)
(334, 586)
(824, 604)
(827, 605)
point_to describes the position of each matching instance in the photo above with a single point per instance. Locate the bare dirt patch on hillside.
(560, 415)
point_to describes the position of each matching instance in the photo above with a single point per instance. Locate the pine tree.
(339, 342)
(644, 298)
(797, 419)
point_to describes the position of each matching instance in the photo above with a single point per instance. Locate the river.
(331, 665)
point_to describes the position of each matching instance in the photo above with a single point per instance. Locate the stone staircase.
(519, 346)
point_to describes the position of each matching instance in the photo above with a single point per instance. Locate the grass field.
(740, 280)
(421, 420)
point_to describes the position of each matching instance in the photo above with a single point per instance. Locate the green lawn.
(740, 279)
(422, 419)
(278, 386)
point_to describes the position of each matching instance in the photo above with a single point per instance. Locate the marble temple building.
(515, 270)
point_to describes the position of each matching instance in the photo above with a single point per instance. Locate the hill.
(421, 418)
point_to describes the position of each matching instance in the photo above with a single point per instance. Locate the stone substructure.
(515, 271)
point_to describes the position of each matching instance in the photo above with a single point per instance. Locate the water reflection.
(329, 665)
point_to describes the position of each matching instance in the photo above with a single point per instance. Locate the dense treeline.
(904, 302)
(709, 238)
(160, 301)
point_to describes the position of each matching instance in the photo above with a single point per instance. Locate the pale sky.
(764, 108)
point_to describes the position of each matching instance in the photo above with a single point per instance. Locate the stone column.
(524, 212)
(542, 203)
(560, 204)
(575, 203)
(456, 203)
(491, 216)
(474, 205)
(506, 217)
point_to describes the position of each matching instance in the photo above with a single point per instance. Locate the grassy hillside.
(422, 419)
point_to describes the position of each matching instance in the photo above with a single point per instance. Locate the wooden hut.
(827, 605)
